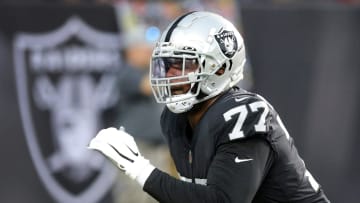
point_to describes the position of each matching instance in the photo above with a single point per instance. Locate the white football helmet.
(204, 40)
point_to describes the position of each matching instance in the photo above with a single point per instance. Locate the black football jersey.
(239, 151)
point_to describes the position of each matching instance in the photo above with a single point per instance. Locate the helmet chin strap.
(201, 95)
(181, 106)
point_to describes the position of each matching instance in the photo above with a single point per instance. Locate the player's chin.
(180, 89)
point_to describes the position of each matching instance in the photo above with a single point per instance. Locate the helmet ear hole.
(221, 70)
(225, 67)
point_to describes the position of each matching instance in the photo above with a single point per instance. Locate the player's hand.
(120, 147)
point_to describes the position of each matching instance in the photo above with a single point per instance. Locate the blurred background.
(71, 67)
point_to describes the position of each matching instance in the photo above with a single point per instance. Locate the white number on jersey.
(242, 111)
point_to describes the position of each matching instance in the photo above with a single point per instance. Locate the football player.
(228, 145)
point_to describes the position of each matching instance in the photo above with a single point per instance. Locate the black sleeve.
(227, 181)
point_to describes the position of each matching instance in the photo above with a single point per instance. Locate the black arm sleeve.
(227, 180)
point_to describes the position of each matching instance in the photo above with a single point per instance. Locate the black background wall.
(305, 61)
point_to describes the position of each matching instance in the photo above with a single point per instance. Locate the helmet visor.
(163, 67)
(173, 76)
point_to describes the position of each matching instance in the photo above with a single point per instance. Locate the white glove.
(120, 148)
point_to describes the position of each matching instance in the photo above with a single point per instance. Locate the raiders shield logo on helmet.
(227, 42)
(65, 81)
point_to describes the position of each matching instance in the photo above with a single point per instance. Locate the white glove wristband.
(144, 175)
(140, 170)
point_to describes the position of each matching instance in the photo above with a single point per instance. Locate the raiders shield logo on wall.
(227, 42)
(65, 82)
